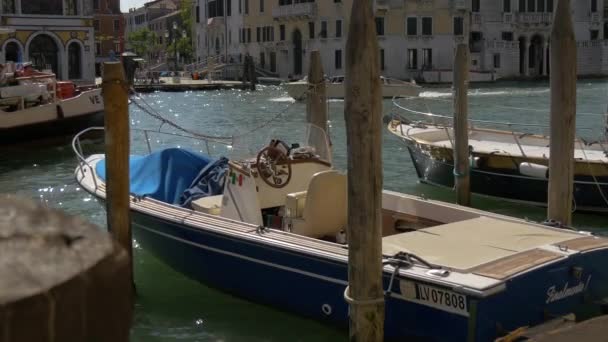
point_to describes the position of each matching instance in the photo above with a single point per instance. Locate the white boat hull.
(298, 90)
(62, 117)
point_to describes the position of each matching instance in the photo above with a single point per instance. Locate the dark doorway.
(297, 52)
(522, 55)
(43, 53)
(11, 52)
(217, 46)
(535, 56)
(74, 62)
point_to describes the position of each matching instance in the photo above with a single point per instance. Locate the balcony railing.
(303, 10)
(476, 18)
(534, 18)
(382, 4)
(459, 5)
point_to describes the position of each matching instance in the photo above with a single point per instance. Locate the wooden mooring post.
(316, 99)
(61, 278)
(252, 78)
(563, 115)
(115, 98)
(462, 180)
(363, 115)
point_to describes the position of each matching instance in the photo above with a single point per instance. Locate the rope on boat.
(148, 109)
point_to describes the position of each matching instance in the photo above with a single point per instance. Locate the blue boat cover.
(165, 175)
(209, 182)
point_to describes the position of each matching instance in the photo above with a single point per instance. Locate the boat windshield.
(309, 137)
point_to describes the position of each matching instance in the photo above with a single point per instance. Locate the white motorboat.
(335, 88)
(271, 228)
(38, 106)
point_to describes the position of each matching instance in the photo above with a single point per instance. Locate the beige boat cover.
(468, 244)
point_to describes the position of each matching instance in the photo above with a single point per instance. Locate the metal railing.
(308, 9)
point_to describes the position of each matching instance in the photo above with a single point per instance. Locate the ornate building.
(52, 34)
(109, 31)
(507, 38)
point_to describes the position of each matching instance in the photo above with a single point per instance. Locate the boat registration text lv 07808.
(442, 299)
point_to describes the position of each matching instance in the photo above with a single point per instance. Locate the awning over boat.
(467, 244)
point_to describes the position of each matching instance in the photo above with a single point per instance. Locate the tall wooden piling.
(115, 99)
(363, 114)
(563, 115)
(462, 181)
(316, 98)
(61, 278)
(251, 71)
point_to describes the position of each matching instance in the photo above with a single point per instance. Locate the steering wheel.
(274, 167)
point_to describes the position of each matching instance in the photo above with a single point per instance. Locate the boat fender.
(474, 162)
(534, 170)
(60, 114)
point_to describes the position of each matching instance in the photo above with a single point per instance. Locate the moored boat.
(270, 228)
(506, 164)
(335, 88)
(36, 106)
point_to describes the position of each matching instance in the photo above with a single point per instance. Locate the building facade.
(168, 29)
(109, 31)
(138, 18)
(52, 34)
(507, 38)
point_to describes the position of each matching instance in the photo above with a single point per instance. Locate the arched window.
(12, 53)
(44, 53)
(74, 61)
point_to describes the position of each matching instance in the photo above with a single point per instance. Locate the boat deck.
(533, 151)
(494, 142)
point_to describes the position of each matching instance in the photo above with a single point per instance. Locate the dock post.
(252, 78)
(115, 99)
(245, 70)
(462, 181)
(563, 115)
(316, 97)
(62, 279)
(363, 115)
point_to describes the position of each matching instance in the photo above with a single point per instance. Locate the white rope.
(362, 302)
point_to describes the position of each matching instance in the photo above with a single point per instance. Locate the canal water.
(171, 307)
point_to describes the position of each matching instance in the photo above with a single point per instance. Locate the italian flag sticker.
(234, 178)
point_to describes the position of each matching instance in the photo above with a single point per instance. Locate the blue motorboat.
(271, 229)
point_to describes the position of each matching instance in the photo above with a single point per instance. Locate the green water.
(171, 307)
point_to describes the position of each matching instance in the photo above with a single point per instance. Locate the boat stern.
(574, 283)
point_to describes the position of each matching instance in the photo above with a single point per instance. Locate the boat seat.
(322, 209)
(209, 205)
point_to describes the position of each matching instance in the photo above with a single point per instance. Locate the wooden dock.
(593, 330)
(185, 84)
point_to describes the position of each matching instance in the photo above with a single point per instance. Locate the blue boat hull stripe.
(291, 269)
(266, 263)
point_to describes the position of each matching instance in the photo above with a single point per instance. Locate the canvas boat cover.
(166, 175)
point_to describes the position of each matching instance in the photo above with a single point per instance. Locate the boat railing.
(518, 130)
(443, 119)
(81, 155)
